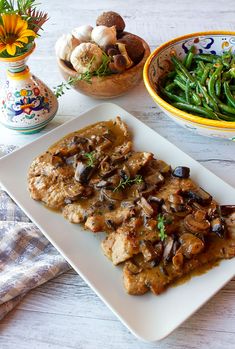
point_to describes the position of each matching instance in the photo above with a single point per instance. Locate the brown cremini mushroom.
(110, 19)
(190, 245)
(134, 47)
(118, 65)
(197, 223)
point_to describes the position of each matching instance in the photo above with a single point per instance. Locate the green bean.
(180, 75)
(226, 58)
(205, 74)
(196, 109)
(187, 91)
(171, 74)
(181, 67)
(179, 83)
(232, 72)
(201, 65)
(195, 98)
(203, 84)
(206, 106)
(228, 94)
(218, 87)
(225, 117)
(173, 96)
(199, 73)
(211, 84)
(206, 57)
(170, 86)
(189, 59)
(226, 108)
(208, 98)
(186, 56)
(226, 75)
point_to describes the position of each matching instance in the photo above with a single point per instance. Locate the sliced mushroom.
(72, 148)
(154, 179)
(218, 227)
(151, 252)
(110, 224)
(181, 172)
(117, 159)
(108, 173)
(163, 167)
(110, 195)
(83, 172)
(168, 249)
(156, 200)
(199, 195)
(176, 199)
(200, 215)
(146, 191)
(146, 207)
(190, 245)
(196, 225)
(128, 204)
(230, 224)
(72, 160)
(56, 161)
(181, 210)
(76, 191)
(105, 143)
(178, 260)
(226, 210)
(103, 184)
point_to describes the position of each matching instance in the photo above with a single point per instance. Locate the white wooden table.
(65, 312)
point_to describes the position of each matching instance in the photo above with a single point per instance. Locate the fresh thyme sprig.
(60, 89)
(103, 70)
(161, 227)
(128, 181)
(90, 159)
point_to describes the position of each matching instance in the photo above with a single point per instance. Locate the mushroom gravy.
(159, 223)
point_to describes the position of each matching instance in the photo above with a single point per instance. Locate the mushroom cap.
(134, 47)
(110, 19)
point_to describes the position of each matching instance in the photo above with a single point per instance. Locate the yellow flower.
(14, 33)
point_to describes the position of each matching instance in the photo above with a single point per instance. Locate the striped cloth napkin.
(27, 258)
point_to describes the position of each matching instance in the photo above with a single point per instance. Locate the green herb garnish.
(161, 227)
(125, 182)
(103, 70)
(90, 159)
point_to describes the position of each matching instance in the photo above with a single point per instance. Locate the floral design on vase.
(27, 104)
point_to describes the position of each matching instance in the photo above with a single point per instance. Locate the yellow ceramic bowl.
(158, 64)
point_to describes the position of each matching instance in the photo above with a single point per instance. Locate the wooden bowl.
(109, 86)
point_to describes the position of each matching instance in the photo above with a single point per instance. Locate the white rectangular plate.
(149, 317)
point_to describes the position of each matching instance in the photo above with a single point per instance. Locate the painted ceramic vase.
(27, 104)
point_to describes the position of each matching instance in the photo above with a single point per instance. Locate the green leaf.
(90, 159)
(161, 227)
(128, 181)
